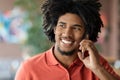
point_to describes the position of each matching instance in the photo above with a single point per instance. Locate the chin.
(67, 53)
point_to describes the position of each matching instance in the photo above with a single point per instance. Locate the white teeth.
(66, 42)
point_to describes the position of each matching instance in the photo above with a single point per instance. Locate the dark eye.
(61, 25)
(77, 28)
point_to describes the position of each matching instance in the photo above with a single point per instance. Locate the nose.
(68, 32)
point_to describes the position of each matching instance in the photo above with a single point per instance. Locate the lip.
(66, 43)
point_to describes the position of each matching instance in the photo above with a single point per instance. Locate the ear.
(87, 36)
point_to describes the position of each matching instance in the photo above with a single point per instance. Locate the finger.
(83, 48)
(83, 51)
(85, 42)
(92, 51)
(80, 55)
(88, 47)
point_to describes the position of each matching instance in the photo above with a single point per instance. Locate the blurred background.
(21, 34)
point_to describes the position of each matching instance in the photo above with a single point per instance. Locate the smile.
(66, 41)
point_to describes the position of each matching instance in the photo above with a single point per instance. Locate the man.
(73, 26)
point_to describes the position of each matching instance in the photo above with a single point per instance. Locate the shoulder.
(35, 61)
(38, 59)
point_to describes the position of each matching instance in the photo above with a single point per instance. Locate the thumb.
(80, 55)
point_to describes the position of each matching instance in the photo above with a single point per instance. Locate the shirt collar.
(51, 60)
(78, 62)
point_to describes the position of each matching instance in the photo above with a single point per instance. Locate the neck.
(65, 60)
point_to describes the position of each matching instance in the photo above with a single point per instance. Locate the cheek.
(57, 34)
(57, 31)
(79, 37)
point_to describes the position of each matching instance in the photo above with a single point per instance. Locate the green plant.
(36, 38)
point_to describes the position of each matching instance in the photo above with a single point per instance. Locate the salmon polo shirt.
(45, 67)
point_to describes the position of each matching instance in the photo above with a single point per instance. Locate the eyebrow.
(62, 22)
(78, 25)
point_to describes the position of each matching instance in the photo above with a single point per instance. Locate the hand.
(92, 60)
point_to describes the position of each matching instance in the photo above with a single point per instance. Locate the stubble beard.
(67, 53)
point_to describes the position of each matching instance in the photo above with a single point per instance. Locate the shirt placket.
(67, 74)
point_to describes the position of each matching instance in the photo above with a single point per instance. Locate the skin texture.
(69, 44)
(70, 30)
(68, 34)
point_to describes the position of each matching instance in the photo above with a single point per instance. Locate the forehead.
(70, 18)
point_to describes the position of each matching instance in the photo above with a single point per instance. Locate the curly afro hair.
(88, 10)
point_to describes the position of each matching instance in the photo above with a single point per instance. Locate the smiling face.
(68, 32)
